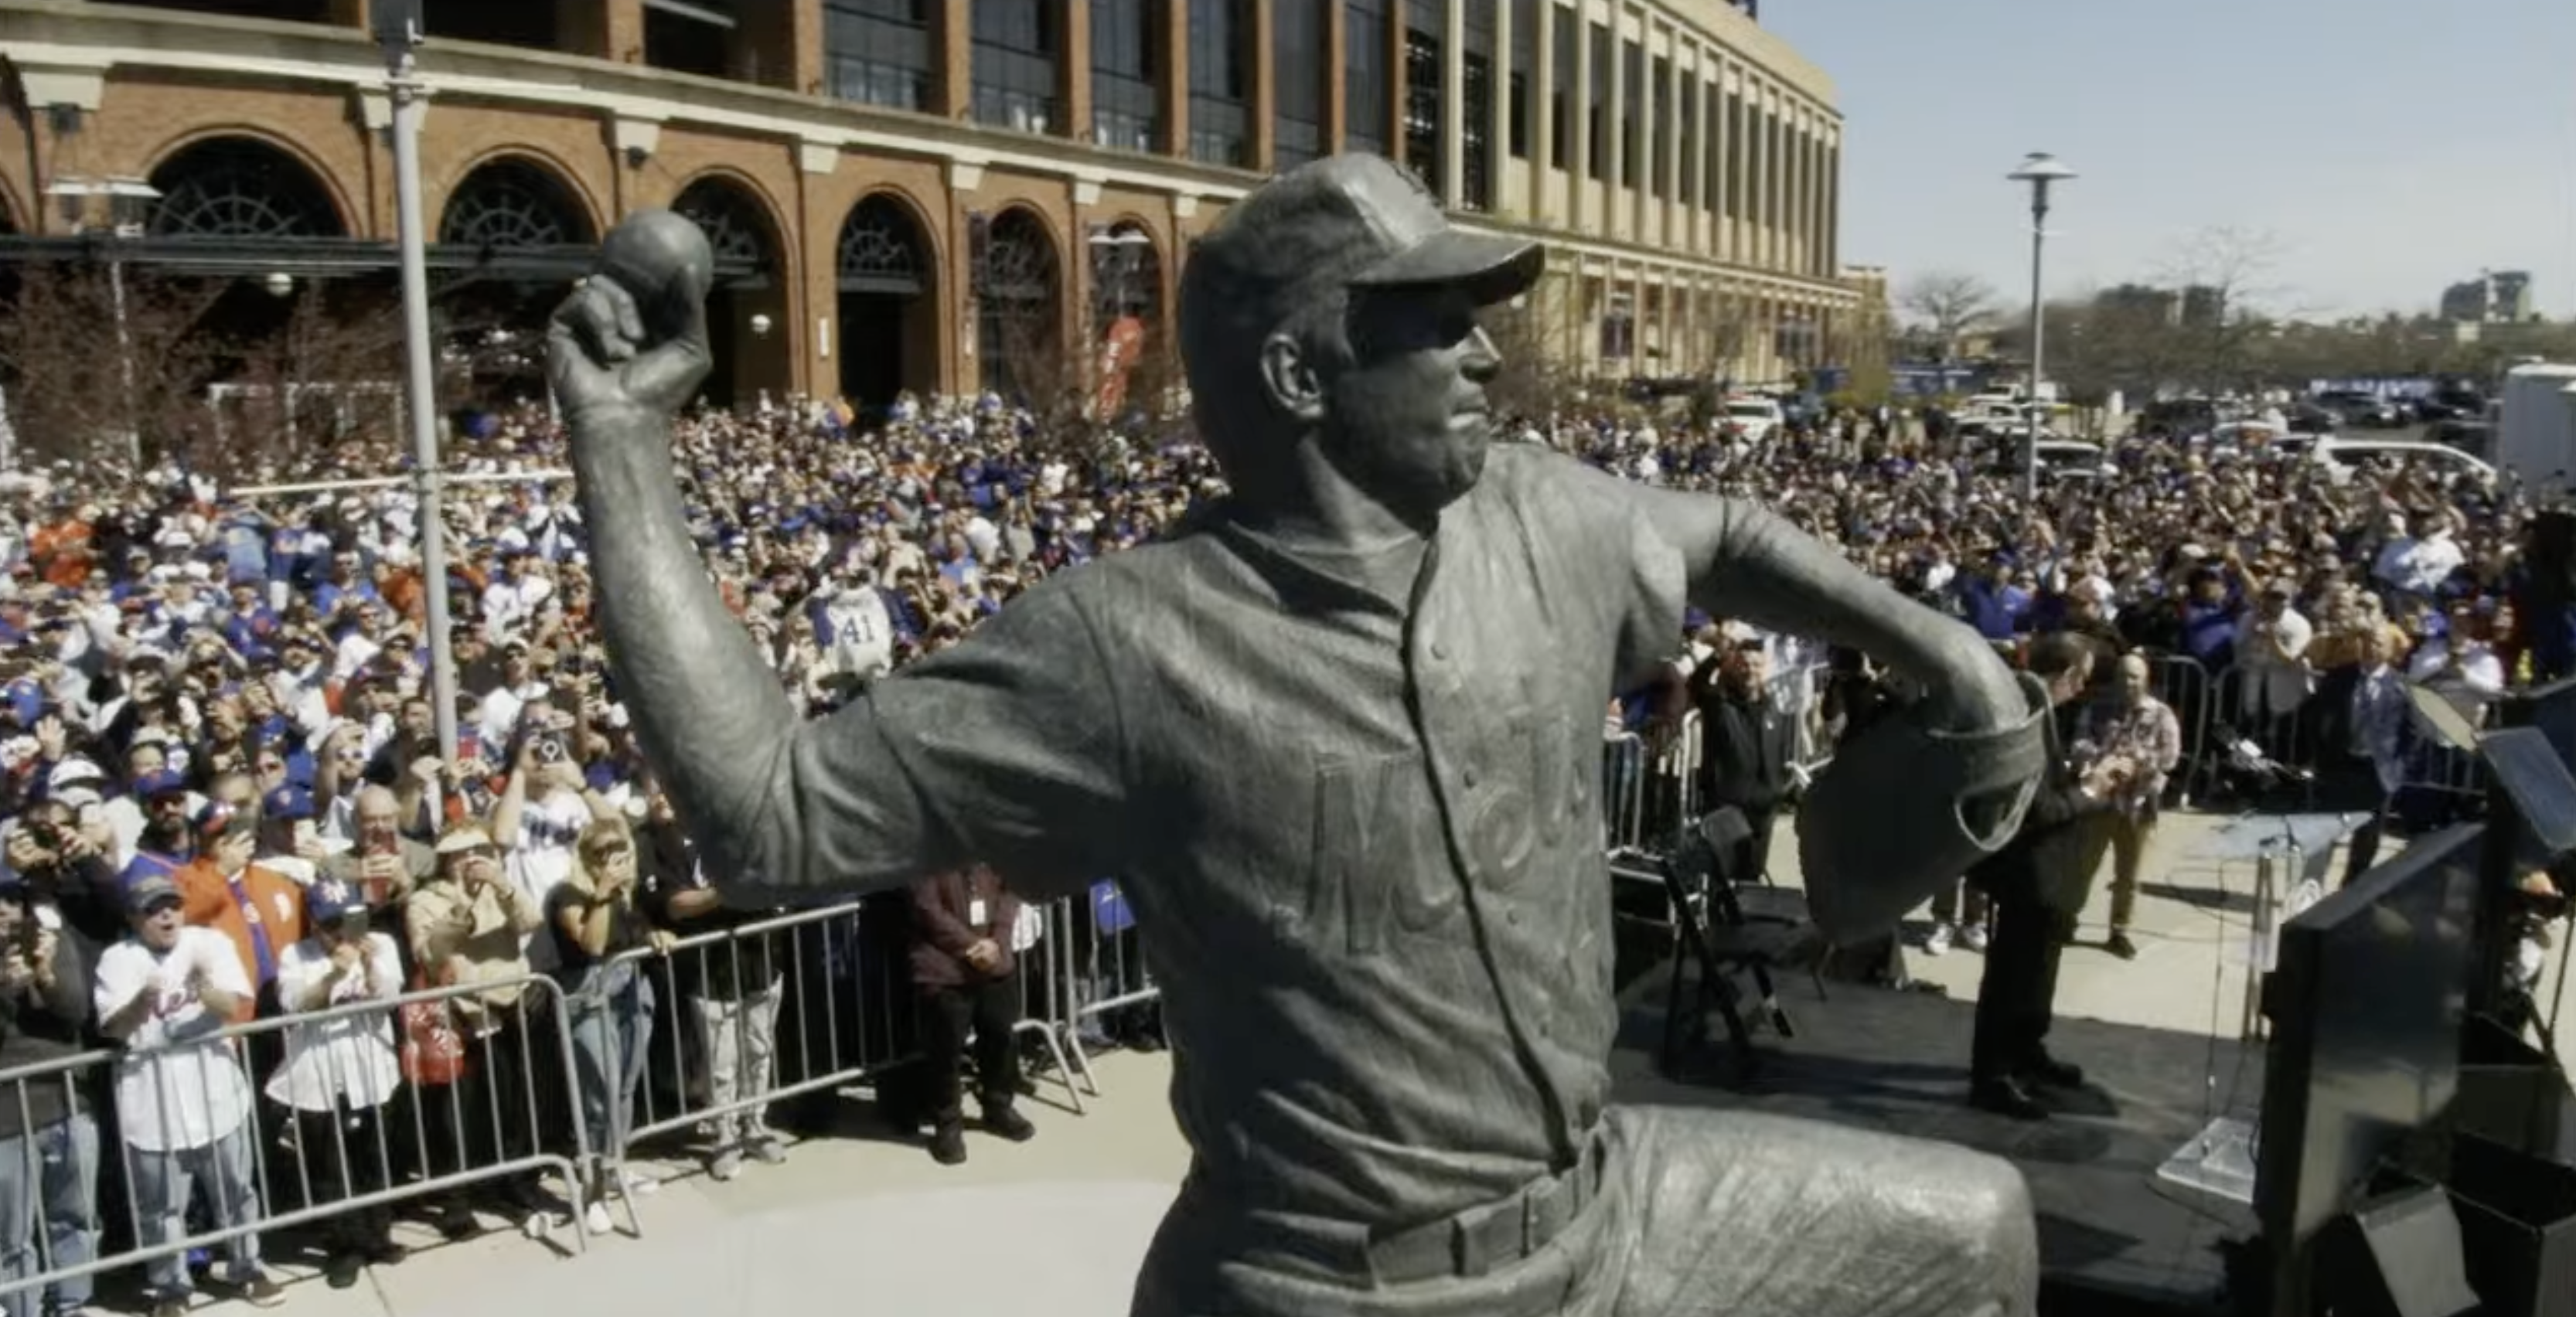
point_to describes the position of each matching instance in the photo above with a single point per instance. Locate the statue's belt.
(1483, 1239)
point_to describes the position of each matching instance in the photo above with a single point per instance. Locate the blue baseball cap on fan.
(327, 901)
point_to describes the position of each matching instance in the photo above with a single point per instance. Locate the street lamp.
(398, 31)
(1117, 255)
(129, 200)
(2039, 169)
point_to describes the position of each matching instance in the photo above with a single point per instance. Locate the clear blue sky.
(2384, 148)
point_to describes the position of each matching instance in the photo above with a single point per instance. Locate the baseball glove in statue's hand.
(633, 337)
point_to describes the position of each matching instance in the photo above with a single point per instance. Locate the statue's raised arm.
(985, 755)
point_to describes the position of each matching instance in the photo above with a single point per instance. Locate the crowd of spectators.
(226, 801)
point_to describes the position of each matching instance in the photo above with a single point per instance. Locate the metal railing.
(275, 1123)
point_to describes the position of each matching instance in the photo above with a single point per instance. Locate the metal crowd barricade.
(1623, 791)
(1673, 789)
(1098, 968)
(764, 1013)
(493, 1134)
(1799, 693)
(2184, 685)
(2285, 736)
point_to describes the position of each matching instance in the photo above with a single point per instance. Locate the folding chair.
(1729, 930)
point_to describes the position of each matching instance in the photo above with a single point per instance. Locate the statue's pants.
(1699, 1213)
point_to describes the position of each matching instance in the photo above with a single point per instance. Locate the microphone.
(2244, 756)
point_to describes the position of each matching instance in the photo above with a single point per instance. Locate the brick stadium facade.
(919, 193)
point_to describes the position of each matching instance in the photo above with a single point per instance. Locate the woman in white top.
(341, 1071)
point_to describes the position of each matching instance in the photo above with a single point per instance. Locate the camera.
(551, 750)
(46, 834)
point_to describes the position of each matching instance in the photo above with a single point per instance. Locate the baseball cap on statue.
(1352, 220)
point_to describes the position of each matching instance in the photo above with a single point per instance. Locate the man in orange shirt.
(261, 911)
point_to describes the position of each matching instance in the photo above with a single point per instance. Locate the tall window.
(1687, 157)
(1476, 101)
(1015, 57)
(1775, 168)
(1718, 151)
(1297, 45)
(1125, 111)
(701, 38)
(1220, 82)
(1365, 93)
(1659, 171)
(1560, 102)
(1737, 170)
(1833, 263)
(1425, 59)
(877, 52)
(1524, 67)
(1597, 124)
(1632, 115)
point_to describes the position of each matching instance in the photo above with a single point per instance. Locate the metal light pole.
(2039, 170)
(398, 31)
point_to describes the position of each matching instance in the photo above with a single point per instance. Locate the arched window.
(1016, 281)
(881, 250)
(740, 234)
(510, 205)
(235, 187)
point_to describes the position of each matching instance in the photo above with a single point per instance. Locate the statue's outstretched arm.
(1002, 751)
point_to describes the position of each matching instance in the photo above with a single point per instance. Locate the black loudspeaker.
(2513, 1094)
(2399, 1256)
(2551, 550)
(2517, 1228)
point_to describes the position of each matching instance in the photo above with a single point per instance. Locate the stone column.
(1265, 84)
(1498, 126)
(1542, 157)
(955, 96)
(1175, 28)
(1073, 71)
(602, 29)
(1399, 80)
(1337, 83)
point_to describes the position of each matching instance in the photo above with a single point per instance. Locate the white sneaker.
(595, 1218)
(1973, 937)
(1937, 942)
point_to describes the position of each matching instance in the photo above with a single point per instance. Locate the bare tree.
(68, 365)
(1947, 305)
(2224, 277)
(1541, 370)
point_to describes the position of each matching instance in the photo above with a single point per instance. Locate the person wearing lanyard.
(259, 911)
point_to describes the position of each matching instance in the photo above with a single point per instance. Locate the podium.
(2292, 855)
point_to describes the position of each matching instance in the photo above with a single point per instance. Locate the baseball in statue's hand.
(634, 334)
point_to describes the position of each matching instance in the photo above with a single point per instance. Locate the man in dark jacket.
(1747, 746)
(2038, 885)
(962, 963)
